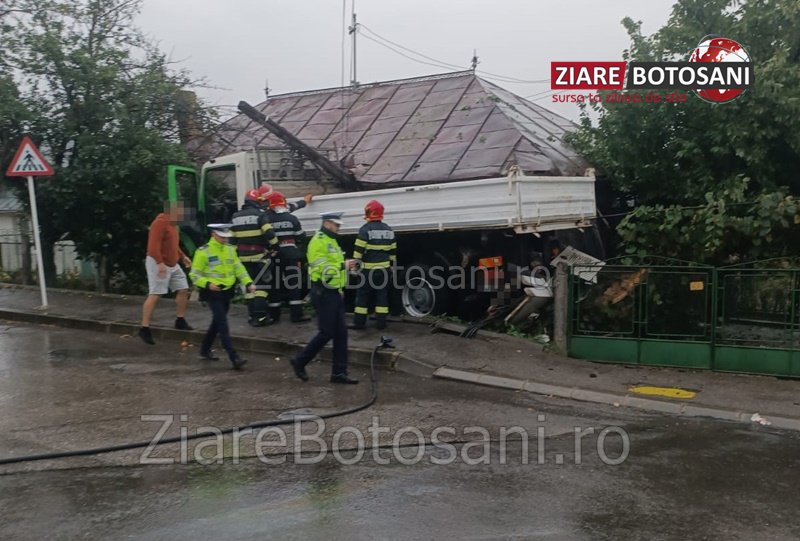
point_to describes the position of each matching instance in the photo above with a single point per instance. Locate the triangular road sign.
(29, 162)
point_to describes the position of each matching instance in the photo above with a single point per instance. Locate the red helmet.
(373, 211)
(276, 199)
(253, 195)
(265, 190)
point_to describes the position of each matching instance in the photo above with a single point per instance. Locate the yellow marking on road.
(668, 392)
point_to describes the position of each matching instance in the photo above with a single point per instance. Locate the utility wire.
(439, 63)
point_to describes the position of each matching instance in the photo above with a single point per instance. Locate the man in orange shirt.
(163, 272)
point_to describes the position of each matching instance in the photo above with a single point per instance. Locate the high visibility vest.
(326, 261)
(218, 264)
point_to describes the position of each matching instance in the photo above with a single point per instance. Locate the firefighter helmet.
(276, 199)
(373, 211)
(253, 195)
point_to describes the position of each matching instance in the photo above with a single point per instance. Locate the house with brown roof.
(440, 128)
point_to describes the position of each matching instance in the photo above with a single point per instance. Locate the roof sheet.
(431, 129)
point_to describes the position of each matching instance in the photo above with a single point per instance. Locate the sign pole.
(29, 162)
(37, 241)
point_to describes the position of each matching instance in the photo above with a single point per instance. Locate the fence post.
(561, 309)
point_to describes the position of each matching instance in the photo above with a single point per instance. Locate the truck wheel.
(424, 291)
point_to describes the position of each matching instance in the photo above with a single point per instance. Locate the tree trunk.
(49, 261)
(102, 280)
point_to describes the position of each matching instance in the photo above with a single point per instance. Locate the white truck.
(461, 245)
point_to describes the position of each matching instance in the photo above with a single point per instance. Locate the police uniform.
(326, 269)
(254, 237)
(376, 249)
(218, 264)
(287, 282)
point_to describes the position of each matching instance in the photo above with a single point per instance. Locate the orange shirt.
(162, 241)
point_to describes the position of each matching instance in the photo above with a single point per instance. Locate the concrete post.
(560, 309)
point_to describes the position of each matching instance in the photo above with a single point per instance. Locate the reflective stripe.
(274, 305)
(358, 255)
(261, 294)
(252, 258)
(285, 233)
(381, 309)
(247, 234)
(381, 265)
(361, 310)
(361, 242)
(266, 227)
(295, 303)
(382, 247)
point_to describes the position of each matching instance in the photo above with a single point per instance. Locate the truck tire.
(424, 291)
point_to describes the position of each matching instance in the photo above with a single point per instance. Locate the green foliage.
(711, 183)
(103, 103)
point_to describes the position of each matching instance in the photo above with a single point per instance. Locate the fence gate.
(657, 311)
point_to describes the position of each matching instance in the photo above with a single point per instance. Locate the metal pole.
(37, 241)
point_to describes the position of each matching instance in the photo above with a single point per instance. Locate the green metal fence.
(654, 311)
(666, 312)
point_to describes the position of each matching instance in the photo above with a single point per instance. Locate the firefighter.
(297, 205)
(287, 275)
(215, 270)
(376, 251)
(255, 242)
(327, 270)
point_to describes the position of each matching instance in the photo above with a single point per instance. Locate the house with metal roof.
(441, 128)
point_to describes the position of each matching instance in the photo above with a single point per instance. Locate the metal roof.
(440, 128)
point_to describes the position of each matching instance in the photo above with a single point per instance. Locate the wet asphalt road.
(682, 479)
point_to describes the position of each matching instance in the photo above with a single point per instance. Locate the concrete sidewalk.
(489, 359)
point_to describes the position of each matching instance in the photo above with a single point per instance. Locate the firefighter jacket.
(289, 232)
(375, 246)
(253, 232)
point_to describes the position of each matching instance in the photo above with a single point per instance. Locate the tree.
(103, 101)
(710, 183)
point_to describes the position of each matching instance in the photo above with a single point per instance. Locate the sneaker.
(181, 325)
(238, 362)
(208, 356)
(299, 371)
(343, 378)
(147, 338)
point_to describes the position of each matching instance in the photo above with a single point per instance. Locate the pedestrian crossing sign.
(29, 162)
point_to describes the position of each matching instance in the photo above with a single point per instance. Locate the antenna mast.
(353, 30)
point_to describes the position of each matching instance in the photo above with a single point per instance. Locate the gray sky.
(297, 44)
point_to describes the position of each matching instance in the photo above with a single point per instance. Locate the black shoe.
(259, 321)
(238, 362)
(208, 356)
(181, 325)
(299, 371)
(147, 338)
(301, 319)
(343, 378)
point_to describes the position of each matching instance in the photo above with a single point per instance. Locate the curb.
(598, 397)
(400, 362)
(386, 360)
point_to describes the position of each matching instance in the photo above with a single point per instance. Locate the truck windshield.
(219, 184)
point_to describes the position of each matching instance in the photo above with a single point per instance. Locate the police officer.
(255, 240)
(287, 278)
(376, 251)
(215, 270)
(327, 270)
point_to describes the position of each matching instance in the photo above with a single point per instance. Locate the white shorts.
(174, 280)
